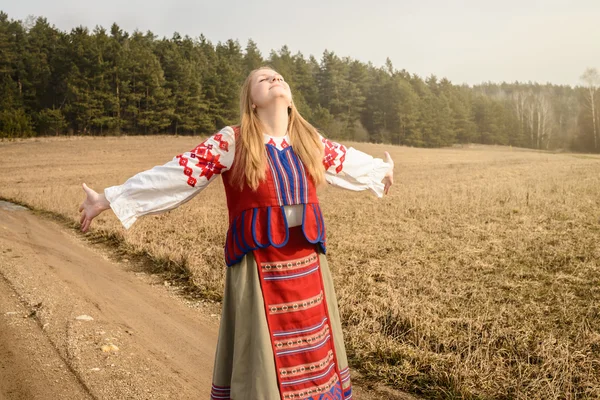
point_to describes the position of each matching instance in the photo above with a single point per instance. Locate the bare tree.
(519, 101)
(591, 78)
(544, 115)
(530, 114)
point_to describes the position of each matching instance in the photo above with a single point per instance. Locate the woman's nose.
(277, 78)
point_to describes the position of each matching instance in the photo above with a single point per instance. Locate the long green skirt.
(280, 335)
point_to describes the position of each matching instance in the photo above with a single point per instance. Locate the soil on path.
(76, 324)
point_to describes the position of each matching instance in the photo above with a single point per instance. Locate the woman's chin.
(279, 90)
(275, 100)
(280, 98)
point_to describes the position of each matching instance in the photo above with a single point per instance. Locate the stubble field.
(478, 277)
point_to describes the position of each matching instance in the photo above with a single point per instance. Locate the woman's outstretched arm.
(163, 187)
(351, 169)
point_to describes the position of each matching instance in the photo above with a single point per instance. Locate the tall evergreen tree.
(110, 82)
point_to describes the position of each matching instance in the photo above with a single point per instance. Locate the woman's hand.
(388, 180)
(92, 206)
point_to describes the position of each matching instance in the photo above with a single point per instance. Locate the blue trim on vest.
(320, 213)
(238, 240)
(287, 230)
(259, 244)
(317, 219)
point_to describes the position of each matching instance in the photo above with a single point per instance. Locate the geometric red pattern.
(208, 161)
(331, 154)
(307, 368)
(299, 323)
(223, 145)
(183, 161)
(210, 165)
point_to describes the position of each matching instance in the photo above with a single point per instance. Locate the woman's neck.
(274, 120)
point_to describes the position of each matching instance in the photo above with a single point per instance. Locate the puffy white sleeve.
(165, 187)
(351, 169)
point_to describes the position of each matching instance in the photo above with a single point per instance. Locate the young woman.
(280, 335)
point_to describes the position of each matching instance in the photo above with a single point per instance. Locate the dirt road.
(74, 324)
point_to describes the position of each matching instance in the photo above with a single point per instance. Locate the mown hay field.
(478, 277)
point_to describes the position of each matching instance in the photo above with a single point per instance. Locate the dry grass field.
(478, 277)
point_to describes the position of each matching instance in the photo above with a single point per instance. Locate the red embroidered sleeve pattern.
(223, 145)
(208, 157)
(183, 161)
(210, 165)
(335, 155)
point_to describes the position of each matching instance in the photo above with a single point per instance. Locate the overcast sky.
(468, 41)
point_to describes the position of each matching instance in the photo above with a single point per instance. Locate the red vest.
(257, 218)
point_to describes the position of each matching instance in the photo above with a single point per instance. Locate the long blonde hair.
(250, 153)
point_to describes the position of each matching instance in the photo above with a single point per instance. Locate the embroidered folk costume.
(280, 335)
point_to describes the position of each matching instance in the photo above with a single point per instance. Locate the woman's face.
(267, 86)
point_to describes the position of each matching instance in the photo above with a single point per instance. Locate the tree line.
(111, 82)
